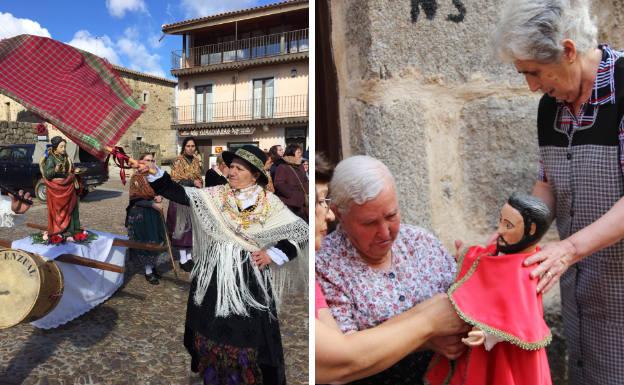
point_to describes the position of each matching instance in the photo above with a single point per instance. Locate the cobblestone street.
(136, 336)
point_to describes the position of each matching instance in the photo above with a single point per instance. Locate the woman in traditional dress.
(144, 221)
(186, 171)
(291, 182)
(240, 229)
(580, 132)
(61, 191)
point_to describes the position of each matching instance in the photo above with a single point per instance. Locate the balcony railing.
(238, 110)
(242, 50)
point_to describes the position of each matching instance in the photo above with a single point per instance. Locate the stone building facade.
(12, 132)
(153, 126)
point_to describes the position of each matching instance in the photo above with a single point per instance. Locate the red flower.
(56, 239)
(80, 236)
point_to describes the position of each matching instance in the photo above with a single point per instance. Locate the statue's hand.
(476, 337)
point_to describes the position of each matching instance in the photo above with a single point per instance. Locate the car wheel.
(40, 191)
(84, 193)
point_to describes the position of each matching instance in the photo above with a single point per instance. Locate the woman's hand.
(554, 259)
(449, 346)
(476, 337)
(198, 183)
(158, 199)
(261, 258)
(142, 166)
(443, 317)
(458, 247)
(18, 206)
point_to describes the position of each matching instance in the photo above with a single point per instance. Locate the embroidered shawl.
(221, 242)
(184, 170)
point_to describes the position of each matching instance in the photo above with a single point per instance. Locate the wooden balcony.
(287, 109)
(292, 45)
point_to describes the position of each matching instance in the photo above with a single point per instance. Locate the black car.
(19, 169)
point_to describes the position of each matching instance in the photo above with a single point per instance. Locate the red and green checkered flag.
(78, 92)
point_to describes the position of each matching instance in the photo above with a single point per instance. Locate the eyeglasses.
(149, 160)
(324, 203)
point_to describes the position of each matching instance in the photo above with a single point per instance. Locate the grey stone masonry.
(17, 132)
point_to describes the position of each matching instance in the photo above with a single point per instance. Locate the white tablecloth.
(85, 287)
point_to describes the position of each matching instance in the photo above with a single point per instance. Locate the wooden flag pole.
(175, 269)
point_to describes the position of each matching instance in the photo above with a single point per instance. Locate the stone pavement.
(136, 336)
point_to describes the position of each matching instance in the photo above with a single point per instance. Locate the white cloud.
(138, 56)
(127, 51)
(102, 46)
(200, 8)
(154, 41)
(118, 8)
(12, 26)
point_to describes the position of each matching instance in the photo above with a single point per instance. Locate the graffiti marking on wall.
(431, 6)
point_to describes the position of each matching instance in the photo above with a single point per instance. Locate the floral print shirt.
(361, 297)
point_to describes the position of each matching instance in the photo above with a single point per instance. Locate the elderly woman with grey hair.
(373, 267)
(553, 43)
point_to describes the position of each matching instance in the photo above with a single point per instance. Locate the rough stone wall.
(17, 132)
(154, 125)
(420, 89)
(138, 148)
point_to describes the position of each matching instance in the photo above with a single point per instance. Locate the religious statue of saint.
(61, 192)
(493, 292)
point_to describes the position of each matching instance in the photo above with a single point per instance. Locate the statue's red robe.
(496, 294)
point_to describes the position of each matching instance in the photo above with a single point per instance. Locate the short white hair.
(534, 29)
(358, 179)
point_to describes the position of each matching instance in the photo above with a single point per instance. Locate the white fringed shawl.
(220, 243)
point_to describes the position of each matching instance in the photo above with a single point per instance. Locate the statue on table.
(494, 292)
(62, 193)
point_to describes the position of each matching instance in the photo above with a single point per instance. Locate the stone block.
(393, 133)
(499, 154)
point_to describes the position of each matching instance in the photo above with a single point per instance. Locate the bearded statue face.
(510, 231)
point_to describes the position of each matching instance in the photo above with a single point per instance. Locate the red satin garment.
(496, 294)
(61, 200)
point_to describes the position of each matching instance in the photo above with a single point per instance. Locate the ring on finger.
(549, 274)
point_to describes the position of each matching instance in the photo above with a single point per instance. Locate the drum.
(30, 287)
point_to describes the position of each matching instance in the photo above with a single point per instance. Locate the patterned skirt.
(235, 349)
(145, 225)
(221, 364)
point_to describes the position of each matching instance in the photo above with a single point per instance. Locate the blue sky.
(126, 32)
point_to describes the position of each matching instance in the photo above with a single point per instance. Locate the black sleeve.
(169, 189)
(212, 178)
(287, 248)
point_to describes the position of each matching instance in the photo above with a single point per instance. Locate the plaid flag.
(76, 91)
